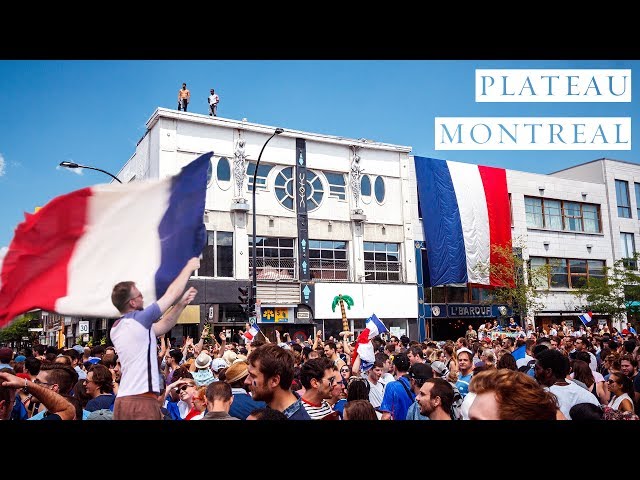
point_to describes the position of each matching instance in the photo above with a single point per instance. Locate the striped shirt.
(317, 412)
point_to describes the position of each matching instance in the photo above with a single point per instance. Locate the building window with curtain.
(622, 199)
(217, 256)
(562, 215)
(569, 273)
(628, 249)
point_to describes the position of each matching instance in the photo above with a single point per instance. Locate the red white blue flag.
(67, 257)
(465, 216)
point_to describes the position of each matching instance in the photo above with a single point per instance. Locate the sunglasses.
(344, 370)
(184, 387)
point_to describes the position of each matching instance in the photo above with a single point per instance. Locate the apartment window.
(566, 272)
(337, 186)
(637, 187)
(328, 260)
(261, 176)
(275, 258)
(382, 262)
(622, 198)
(533, 209)
(573, 216)
(552, 214)
(628, 248)
(481, 295)
(217, 256)
(562, 215)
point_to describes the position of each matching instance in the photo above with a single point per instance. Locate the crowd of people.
(489, 374)
(564, 376)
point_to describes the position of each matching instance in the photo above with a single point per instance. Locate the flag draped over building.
(67, 257)
(465, 216)
(364, 347)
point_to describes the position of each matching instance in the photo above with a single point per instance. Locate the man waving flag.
(364, 347)
(67, 257)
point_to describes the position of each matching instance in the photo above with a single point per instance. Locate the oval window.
(365, 186)
(224, 170)
(379, 189)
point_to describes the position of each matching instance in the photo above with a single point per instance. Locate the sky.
(93, 112)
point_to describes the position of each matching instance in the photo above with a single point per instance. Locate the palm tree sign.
(342, 299)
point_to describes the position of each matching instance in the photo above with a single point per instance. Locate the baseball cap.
(218, 364)
(20, 358)
(420, 371)
(439, 367)
(464, 349)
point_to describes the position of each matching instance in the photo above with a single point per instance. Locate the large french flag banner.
(465, 216)
(67, 257)
(364, 346)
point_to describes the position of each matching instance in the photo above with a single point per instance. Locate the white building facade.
(333, 218)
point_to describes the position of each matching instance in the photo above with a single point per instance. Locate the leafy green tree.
(16, 330)
(521, 287)
(617, 293)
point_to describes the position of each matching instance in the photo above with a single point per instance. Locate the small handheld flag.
(585, 318)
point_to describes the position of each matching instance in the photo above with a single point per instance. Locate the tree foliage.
(521, 287)
(615, 293)
(16, 330)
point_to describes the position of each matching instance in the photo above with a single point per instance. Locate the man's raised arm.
(178, 285)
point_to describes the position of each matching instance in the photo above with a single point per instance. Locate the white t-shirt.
(135, 342)
(213, 99)
(570, 395)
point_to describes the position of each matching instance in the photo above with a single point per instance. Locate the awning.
(191, 314)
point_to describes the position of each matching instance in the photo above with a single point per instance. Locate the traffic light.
(244, 298)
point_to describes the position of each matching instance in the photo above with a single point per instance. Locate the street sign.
(252, 320)
(211, 313)
(83, 327)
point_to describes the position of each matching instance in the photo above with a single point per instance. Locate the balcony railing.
(274, 269)
(330, 270)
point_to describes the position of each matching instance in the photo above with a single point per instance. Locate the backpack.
(456, 405)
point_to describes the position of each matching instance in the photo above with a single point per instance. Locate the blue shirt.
(414, 412)
(396, 400)
(243, 404)
(296, 411)
(463, 384)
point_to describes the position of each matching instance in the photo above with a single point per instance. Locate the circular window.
(379, 189)
(284, 187)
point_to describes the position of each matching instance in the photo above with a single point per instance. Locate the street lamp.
(76, 165)
(254, 281)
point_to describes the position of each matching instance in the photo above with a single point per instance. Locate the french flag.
(364, 347)
(465, 216)
(586, 318)
(252, 332)
(67, 257)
